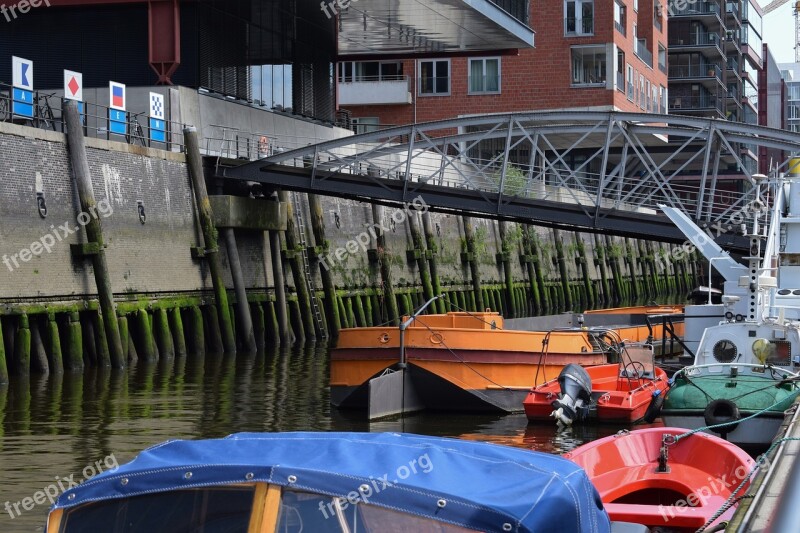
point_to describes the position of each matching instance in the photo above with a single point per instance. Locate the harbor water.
(60, 428)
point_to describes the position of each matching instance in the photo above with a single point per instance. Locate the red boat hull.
(619, 399)
(703, 471)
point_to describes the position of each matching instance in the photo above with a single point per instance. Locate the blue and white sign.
(158, 128)
(157, 106)
(117, 122)
(22, 73)
(22, 94)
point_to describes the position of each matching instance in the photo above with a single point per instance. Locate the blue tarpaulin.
(485, 487)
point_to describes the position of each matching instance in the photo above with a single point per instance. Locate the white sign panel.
(157, 106)
(117, 95)
(73, 85)
(22, 76)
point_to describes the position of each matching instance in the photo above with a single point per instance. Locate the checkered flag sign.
(157, 106)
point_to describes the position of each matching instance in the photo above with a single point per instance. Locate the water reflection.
(57, 425)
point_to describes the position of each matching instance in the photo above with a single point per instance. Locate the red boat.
(611, 393)
(645, 477)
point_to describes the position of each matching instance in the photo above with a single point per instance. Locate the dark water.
(59, 426)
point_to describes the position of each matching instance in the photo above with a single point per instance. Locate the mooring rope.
(733, 499)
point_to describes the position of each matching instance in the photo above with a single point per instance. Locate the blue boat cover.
(483, 486)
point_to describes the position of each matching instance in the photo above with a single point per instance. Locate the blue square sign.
(117, 122)
(158, 130)
(22, 103)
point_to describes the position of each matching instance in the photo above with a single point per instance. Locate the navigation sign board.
(22, 73)
(158, 127)
(117, 95)
(73, 85)
(117, 122)
(22, 93)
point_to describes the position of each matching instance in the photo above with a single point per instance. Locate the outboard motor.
(575, 397)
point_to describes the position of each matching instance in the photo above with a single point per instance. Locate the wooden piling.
(279, 306)
(197, 338)
(178, 335)
(293, 249)
(166, 348)
(146, 345)
(94, 231)
(505, 251)
(74, 343)
(563, 272)
(195, 162)
(271, 322)
(431, 253)
(469, 238)
(328, 285)
(101, 340)
(124, 334)
(258, 324)
(22, 347)
(385, 268)
(39, 363)
(244, 320)
(420, 255)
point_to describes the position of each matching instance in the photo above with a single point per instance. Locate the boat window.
(213, 510)
(302, 512)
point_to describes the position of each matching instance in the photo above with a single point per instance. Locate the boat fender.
(654, 409)
(721, 411)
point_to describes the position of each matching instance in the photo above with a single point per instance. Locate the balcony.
(375, 91)
(697, 41)
(733, 67)
(732, 10)
(709, 75)
(702, 103)
(643, 53)
(704, 11)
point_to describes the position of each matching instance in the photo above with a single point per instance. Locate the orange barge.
(469, 362)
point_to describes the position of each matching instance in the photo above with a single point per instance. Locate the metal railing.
(571, 26)
(620, 27)
(684, 103)
(696, 39)
(695, 71)
(694, 9)
(97, 123)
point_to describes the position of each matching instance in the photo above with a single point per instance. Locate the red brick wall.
(539, 78)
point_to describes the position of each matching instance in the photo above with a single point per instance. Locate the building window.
(589, 65)
(657, 15)
(620, 71)
(636, 5)
(484, 75)
(620, 17)
(642, 93)
(366, 124)
(630, 82)
(662, 58)
(579, 17)
(434, 77)
(663, 97)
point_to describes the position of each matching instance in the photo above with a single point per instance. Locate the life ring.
(263, 145)
(722, 411)
(654, 409)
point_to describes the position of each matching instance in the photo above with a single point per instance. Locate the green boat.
(708, 395)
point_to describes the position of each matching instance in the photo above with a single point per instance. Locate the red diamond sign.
(73, 85)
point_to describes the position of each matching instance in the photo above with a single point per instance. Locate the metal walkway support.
(586, 171)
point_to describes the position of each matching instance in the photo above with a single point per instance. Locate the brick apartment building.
(589, 54)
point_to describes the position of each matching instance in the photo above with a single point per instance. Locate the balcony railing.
(688, 103)
(375, 90)
(643, 53)
(696, 8)
(696, 39)
(620, 27)
(694, 71)
(621, 82)
(662, 67)
(519, 9)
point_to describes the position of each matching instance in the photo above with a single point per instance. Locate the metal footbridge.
(588, 171)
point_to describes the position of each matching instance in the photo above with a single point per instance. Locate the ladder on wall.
(301, 236)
